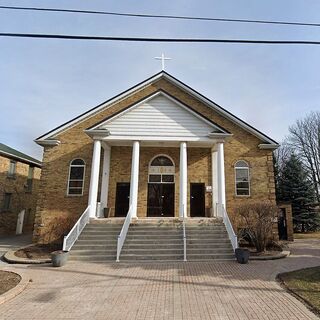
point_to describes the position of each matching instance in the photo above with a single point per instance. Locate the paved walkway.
(13, 242)
(221, 290)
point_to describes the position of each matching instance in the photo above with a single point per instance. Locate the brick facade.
(21, 198)
(53, 199)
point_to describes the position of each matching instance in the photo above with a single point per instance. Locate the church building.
(159, 150)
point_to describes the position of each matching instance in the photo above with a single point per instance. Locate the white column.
(183, 180)
(221, 176)
(133, 201)
(94, 180)
(105, 177)
(214, 180)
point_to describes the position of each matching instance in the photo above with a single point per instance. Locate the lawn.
(8, 280)
(307, 235)
(306, 284)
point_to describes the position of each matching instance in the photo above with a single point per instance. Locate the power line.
(177, 40)
(138, 15)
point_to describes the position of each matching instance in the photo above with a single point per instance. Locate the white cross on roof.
(162, 58)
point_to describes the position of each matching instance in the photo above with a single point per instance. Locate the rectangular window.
(12, 169)
(154, 178)
(30, 179)
(242, 182)
(7, 201)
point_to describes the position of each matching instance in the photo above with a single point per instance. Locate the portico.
(215, 185)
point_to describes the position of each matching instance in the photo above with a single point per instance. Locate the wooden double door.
(160, 200)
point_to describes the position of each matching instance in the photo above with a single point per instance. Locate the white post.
(105, 177)
(133, 201)
(221, 177)
(183, 180)
(94, 180)
(214, 180)
(20, 221)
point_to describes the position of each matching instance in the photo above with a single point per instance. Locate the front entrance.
(197, 199)
(160, 200)
(122, 199)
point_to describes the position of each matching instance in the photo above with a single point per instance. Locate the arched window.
(161, 170)
(76, 177)
(242, 178)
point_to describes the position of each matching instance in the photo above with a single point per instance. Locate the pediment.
(159, 115)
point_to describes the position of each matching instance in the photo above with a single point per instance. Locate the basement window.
(76, 177)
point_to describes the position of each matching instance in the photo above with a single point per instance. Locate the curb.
(10, 257)
(16, 290)
(281, 255)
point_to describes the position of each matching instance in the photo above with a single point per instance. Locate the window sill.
(11, 177)
(242, 196)
(73, 195)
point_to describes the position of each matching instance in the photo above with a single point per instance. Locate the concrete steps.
(97, 243)
(153, 240)
(208, 242)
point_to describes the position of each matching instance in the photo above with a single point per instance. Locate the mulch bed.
(37, 251)
(8, 280)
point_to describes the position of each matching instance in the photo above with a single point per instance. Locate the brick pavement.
(192, 290)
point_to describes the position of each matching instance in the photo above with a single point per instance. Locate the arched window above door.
(161, 170)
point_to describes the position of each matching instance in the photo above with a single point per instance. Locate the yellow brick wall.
(20, 199)
(75, 143)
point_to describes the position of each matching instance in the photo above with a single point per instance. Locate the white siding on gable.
(159, 116)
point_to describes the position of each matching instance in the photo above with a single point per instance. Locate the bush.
(58, 228)
(257, 220)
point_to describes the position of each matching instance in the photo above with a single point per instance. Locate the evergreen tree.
(293, 185)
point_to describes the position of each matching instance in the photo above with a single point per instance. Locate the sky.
(44, 83)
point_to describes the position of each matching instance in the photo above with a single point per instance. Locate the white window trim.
(83, 180)
(13, 174)
(235, 179)
(161, 174)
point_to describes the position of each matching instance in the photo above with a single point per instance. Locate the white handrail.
(73, 235)
(184, 240)
(232, 235)
(123, 233)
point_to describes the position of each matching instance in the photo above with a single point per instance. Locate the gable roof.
(167, 99)
(17, 155)
(267, 141)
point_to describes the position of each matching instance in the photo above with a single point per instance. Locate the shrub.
(257, 219)
(59, 227)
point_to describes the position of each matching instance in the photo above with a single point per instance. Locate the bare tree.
(304, 139)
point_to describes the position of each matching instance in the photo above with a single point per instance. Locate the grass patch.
(307, 235)
(304, 283)
(8, 280)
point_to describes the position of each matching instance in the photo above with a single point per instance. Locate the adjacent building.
(19, 185)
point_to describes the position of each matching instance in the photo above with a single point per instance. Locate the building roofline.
(20, 157)
(180, 84)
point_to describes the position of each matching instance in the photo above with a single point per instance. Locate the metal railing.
(232, 235)
(184, 240)
(123, 233)
(73, 235)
